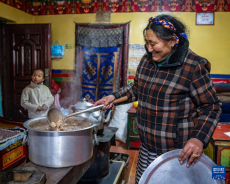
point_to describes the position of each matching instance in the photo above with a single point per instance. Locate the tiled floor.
(130, 172)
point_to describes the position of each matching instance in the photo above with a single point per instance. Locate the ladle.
(54, 115)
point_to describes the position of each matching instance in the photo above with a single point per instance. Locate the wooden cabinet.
(219, 148)
(133, 139)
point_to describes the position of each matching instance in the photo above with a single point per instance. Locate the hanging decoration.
(143, 5)
(93, 37)
(173, 5)
(60, 7)
(114, 5)
(221, 6)
(68, 6)
(156, 6)
(204, 5)
(43, 7)
(86, 5)
(57, 7)
(18, 3)
(36, 7)
(101, 70)
(188, 6)
(103, 16)
(127, 6)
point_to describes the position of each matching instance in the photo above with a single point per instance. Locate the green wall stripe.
(63, 79)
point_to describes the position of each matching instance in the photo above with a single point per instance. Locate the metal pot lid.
(83, 105)
(167, 169)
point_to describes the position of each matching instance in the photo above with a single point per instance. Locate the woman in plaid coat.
(177, 104)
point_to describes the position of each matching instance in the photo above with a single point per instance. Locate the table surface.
(132, 110)
(219, 133)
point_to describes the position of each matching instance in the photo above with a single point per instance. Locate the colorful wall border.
(63, 75)
(53, 7)
(220, 78)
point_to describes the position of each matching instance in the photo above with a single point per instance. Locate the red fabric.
(221, 81)
(56, 103)
(221, 89)
(54, 87)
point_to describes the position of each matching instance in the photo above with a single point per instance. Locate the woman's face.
(159, 48)
(38, 77)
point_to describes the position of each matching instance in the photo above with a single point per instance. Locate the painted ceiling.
(54, 7)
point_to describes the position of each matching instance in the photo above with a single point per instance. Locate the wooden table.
(219, 148)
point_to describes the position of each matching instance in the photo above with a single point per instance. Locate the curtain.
(101, 59)
(99, 72)
(95, 37)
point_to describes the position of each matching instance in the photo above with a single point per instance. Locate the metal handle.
(70, 109)
(25, 139)
(119, 100)
(96, 139)
(47, 76)
(86, 110)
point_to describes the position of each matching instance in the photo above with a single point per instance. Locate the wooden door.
(28, 46)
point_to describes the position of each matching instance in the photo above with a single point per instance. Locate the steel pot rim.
(26, 125)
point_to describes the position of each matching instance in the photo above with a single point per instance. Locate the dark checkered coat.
(176, 101)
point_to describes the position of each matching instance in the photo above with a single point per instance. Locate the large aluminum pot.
(59, 148)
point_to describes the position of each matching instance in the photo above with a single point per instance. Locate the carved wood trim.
(2, 63)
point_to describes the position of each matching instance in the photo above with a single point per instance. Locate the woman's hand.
(192, 149)
(39, 108)
(106, 101)
(44, 107)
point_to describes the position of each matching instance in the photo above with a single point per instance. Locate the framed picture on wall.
(204, 18)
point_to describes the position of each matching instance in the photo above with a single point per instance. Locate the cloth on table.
(222, 87)
(55, 90)
(119, 120)
(225, 116)
(224, 97)
(10, 136)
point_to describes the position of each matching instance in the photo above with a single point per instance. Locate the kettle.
(98, 116)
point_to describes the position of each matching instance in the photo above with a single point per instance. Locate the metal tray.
(166, 169)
